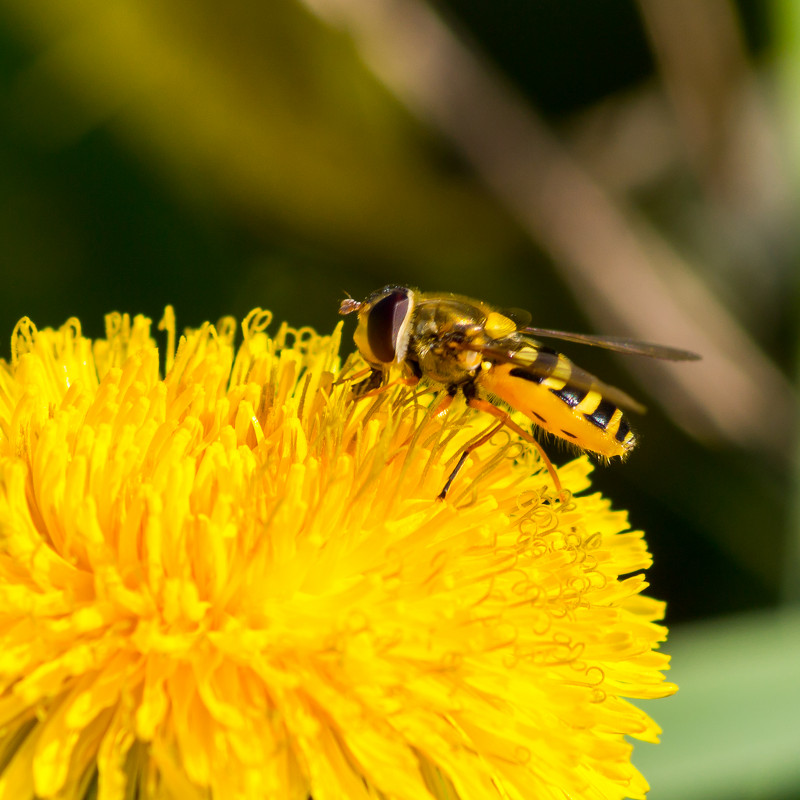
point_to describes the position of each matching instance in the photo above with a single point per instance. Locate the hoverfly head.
(384, 324)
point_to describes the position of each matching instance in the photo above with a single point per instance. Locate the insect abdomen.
(583, 417)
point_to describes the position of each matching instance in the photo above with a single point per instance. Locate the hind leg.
(504, 420)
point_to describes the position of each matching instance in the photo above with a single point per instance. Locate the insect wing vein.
(617, 344)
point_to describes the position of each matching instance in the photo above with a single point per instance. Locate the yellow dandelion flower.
(236, 582)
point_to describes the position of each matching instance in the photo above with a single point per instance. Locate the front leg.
(371, 383)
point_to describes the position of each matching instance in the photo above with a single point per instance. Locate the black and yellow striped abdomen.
(578, 415)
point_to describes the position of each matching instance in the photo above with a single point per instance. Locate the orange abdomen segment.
(577, 415)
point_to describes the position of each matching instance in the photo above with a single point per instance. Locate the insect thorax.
(440, 341)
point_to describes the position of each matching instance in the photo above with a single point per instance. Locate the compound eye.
(385, 323)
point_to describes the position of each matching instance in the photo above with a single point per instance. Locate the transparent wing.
(619, 344)
(542, 362)
(520, 316)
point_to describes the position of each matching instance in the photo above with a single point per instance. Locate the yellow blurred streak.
(262, 108)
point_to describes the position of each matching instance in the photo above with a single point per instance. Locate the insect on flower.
(467, 346)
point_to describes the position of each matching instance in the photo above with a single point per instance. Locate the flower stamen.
(235, 581)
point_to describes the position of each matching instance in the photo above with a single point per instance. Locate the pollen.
(224, 576)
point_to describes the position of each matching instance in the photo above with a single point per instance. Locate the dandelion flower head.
(222, 577)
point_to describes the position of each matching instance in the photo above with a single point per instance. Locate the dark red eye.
(384, 323)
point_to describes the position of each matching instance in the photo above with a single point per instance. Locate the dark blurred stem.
(703, 66)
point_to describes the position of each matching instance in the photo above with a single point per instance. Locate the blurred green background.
(612, 166)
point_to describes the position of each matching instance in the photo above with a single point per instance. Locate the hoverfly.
(467, 346)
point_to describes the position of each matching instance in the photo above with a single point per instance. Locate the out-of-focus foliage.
(630, 166)
(201, 154)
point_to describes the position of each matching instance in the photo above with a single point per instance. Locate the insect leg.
(476, 444)
(355, 377)
(442, 406)
(373, 385)
(505, 420)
